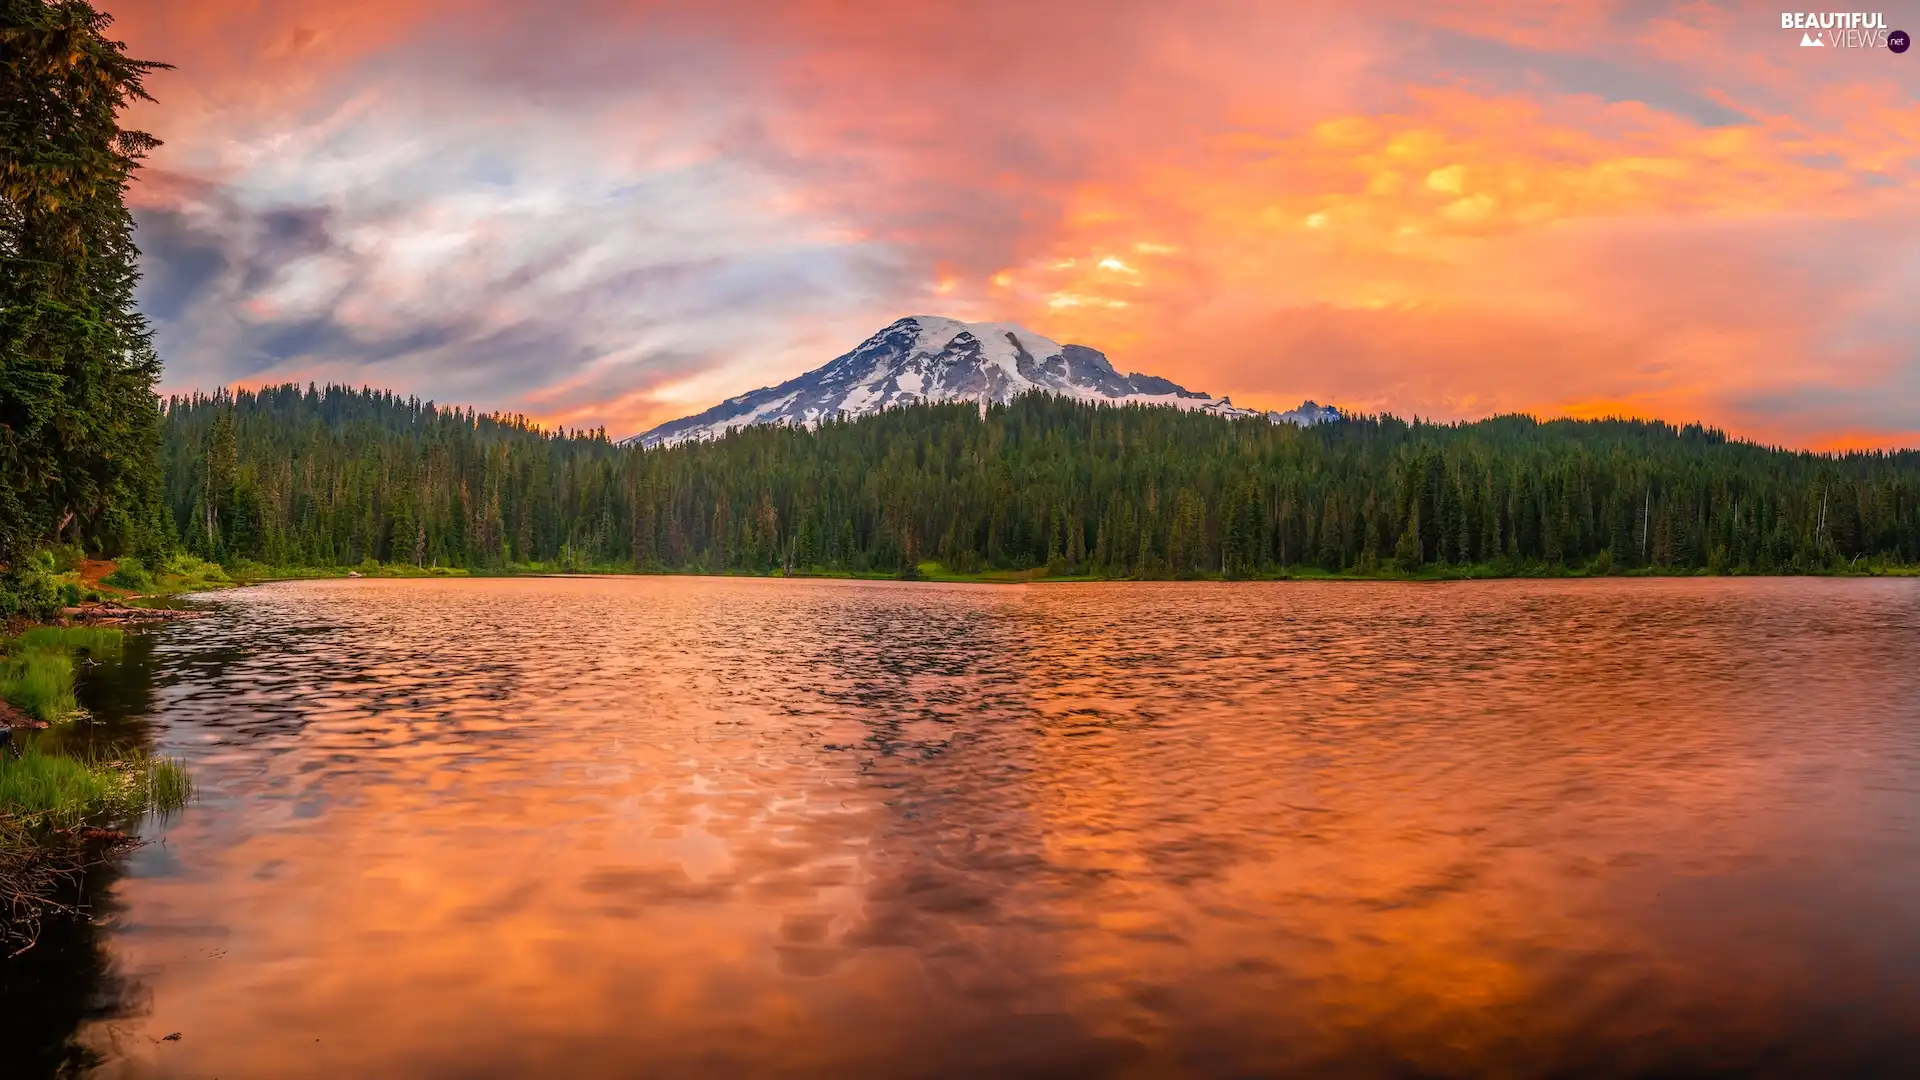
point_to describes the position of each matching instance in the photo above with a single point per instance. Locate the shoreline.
(65, 806)
(933, 573)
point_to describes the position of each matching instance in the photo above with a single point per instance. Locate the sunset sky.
(614, 213)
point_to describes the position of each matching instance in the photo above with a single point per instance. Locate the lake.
(685, 827)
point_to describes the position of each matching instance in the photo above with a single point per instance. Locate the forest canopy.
(292, 476)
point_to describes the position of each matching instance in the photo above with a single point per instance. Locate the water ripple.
(689, 827)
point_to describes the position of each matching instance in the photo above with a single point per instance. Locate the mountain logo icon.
(1809, 41)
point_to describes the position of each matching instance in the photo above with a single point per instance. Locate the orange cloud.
(1445, 209)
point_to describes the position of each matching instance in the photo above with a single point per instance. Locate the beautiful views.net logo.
(1845, 30)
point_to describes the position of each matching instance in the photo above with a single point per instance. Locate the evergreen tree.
(79, 427)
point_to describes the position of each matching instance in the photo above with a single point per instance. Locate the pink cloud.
(1262, 201)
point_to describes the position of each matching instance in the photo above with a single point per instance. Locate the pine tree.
(1332, 544)
(79, 427)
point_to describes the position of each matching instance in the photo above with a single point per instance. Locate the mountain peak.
(1002, 342)
(932, 358)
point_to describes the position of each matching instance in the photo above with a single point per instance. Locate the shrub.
(65, 557)
(195, 572)
(131, 574)
(247, 570)
(28, 589)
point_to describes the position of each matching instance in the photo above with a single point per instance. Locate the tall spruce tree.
(79, 426)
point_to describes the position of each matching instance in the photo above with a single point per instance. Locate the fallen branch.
(36, 870)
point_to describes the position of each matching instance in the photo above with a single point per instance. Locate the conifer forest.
(291, 476)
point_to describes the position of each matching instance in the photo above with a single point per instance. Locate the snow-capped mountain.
(1306, 415)
(926, 358)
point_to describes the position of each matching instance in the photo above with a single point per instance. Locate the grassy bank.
(57, 808)
(36, 674)
(931, 571)
(41, 585)
(181, 574)
(1506, 568)
(61, 792)
(250, 573)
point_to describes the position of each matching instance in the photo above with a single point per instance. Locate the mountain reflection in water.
(696, 827)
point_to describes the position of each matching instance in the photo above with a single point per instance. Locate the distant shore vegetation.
(291, 481)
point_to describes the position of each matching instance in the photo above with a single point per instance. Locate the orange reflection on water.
(689, 827)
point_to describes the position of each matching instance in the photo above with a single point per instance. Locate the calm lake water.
(697, 827)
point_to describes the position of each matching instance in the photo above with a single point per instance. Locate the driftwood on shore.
(113, 613)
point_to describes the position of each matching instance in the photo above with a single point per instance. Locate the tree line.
(332, 476)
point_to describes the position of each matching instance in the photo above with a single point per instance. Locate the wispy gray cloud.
(618, 211)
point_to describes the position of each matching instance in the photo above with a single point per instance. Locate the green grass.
(247, 572)
(36, 675)
(933, 571)
(169, 787)
(56, 789)
(39, 683)
(196, 574)
(61, 791)
(93, 640)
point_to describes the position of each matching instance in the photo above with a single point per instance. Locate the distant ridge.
(927, 358)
